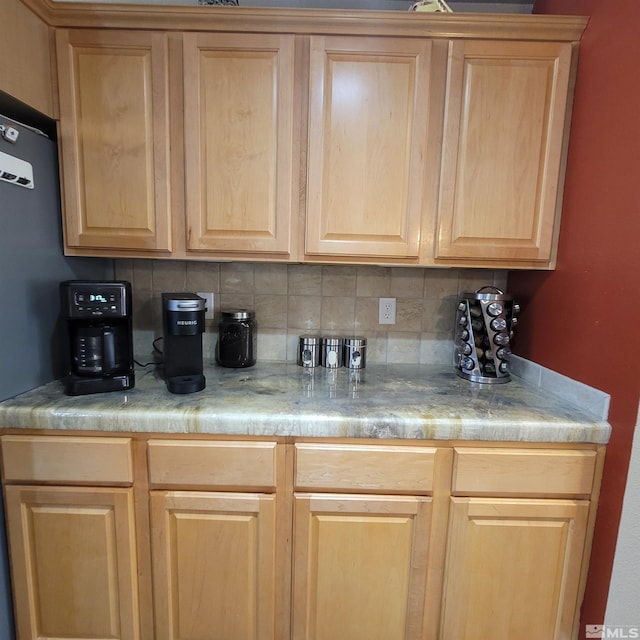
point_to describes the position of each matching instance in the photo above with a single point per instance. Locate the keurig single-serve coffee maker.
(98, 344)
(183, 324)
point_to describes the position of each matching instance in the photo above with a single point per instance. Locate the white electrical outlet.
(209, 298)
(387, 311)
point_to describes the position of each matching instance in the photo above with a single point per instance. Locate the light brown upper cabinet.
(239, 131)
(315, 136)
(505, 112)
(114, 136)
(368, 122)
(25, 58)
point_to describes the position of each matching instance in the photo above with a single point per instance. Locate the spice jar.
(236, 339)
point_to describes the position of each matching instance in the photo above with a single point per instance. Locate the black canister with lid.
(236, 339)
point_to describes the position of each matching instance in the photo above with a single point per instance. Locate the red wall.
(583, 319)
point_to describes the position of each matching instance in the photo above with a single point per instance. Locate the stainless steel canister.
(331, 352)
(355, 353)
(309, 351)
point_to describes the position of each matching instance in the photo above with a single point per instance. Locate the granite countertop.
(283, 399)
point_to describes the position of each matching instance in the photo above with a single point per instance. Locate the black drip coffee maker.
(97, 331)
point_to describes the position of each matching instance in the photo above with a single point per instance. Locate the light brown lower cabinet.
(73, 562)
(213, 565)
(360, 566)
(273, 540)
(513, 568)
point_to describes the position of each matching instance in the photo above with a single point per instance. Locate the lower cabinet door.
(73, 562)
(513, 568)
(360, 566)
(213, 558)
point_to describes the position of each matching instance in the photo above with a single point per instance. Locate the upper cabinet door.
(368, 122)
(239, 131)
(505, 110)
(114, 127)
(25, 51)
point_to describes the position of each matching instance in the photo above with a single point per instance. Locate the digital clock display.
(91, 298)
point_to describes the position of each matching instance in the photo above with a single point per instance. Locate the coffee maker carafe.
(183, 325)
(98, 343)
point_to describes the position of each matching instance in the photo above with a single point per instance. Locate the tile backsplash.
(294, 299)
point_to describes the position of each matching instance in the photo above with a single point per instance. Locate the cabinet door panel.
(114, 126)
(513, 568)
(503, 142)
(213, 565)
(239, 141)
(359, 566)
(368, 116)
(73, 562)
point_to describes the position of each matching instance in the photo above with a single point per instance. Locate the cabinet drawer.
(385, 469)
(67, 459)
(189, 463)
(523, 472)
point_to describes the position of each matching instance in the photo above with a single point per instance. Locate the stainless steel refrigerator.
(32, 265)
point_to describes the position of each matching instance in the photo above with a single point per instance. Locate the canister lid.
(238, 314)
(309, 340)
(331, 341)
(487, 293)
(358, 341)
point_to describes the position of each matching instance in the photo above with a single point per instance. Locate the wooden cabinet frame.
(290, 512)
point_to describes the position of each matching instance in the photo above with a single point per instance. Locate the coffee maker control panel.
(98, 300)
